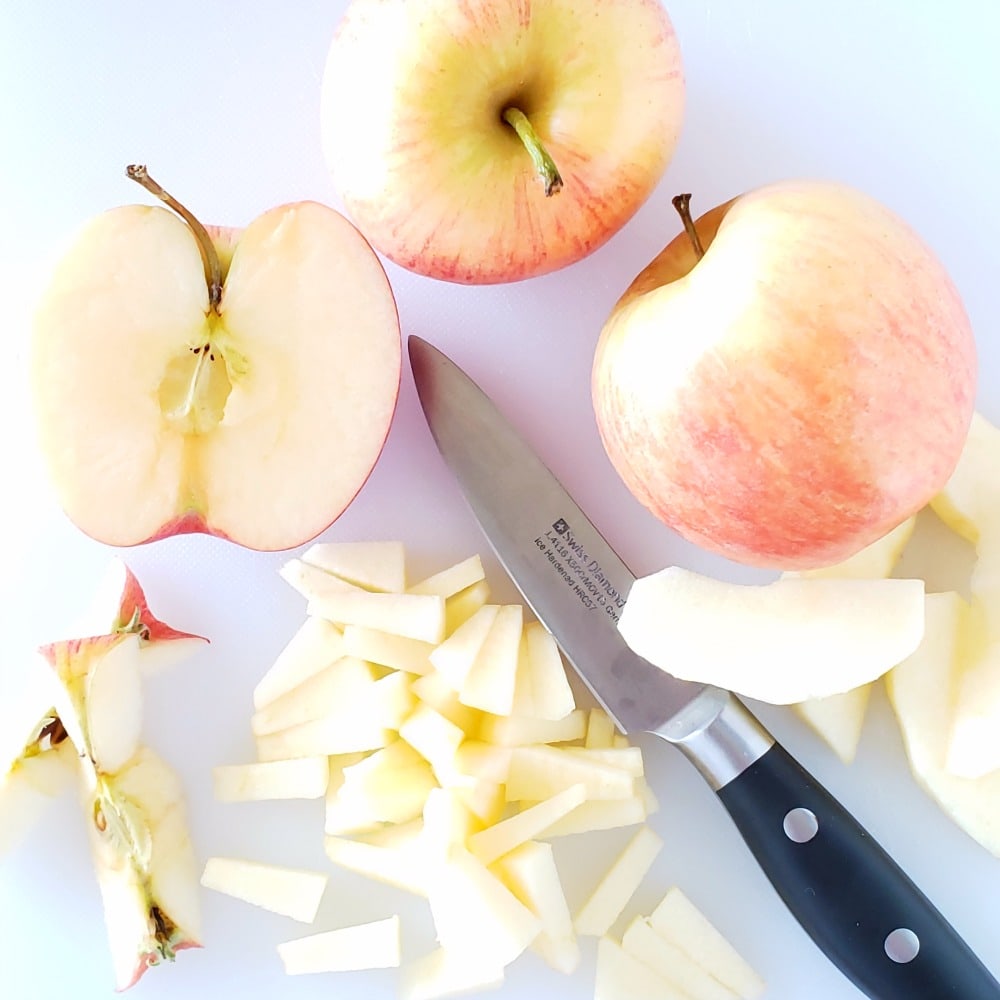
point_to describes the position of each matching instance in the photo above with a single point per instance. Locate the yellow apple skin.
(800, 390)
(413, 98)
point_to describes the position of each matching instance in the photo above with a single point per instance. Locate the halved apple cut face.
(258, 419)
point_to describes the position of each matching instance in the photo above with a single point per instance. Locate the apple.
(788, 380)
(495, 140)
(240, 384)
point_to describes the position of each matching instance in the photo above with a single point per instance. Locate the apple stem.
(544, 164)
(210, 258)
(682, 202)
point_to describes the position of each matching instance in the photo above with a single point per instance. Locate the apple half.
(240, 384)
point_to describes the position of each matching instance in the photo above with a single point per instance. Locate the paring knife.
(852, 899)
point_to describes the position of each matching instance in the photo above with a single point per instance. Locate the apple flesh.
(798, 391)
(251, 405)
(422, 146)
(781, 642)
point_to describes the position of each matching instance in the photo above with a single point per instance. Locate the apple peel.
(781, 642)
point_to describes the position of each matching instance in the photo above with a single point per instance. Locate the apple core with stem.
(239, 383)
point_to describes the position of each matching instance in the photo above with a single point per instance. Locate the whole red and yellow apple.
(493, 140)
(237, 383)
(797, 391)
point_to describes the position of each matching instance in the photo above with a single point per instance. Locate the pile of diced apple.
(446, 739)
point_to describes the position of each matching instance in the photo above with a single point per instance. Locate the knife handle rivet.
(902, 945)
(800, 825)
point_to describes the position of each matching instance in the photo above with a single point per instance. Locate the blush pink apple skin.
(441, 184)
(799, 391)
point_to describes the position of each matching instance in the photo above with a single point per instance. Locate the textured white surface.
(221, 100)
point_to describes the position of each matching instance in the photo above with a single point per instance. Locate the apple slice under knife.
(862, 910)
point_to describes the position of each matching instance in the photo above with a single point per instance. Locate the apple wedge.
(839, 718)
(781, 642)
(447, 973)
(923, 692)
(179, 376)
(968, 504)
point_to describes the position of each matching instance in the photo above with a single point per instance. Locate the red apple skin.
(799, 391)
(436, 179)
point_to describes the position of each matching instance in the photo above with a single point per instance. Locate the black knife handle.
(852, 899)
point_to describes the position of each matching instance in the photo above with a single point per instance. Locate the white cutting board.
(221, 100)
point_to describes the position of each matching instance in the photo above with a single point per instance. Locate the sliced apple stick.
(475, 913)
(618, 884)
(678, 920)
(629, 759)
(601, 814)
(512, 731)
(292, 892)
(530, 872)
(460, 607)
(453, 658)
(28, 786)
(502, 837)
(489, 685)
(312, 582)
(374, 945)
(447, 823)
(435, 738)
(678, 968)
(299, 778)
(402, 866)
(321, 694)
(600, 730)
(620, 976)
(377, 566)
(540, 772)
(345, 732)
(418, 616)
(395, 651)
(484, 760)
(433, 690)
(452, 580)
(551, 693)
(315, 645)
(484, 799)
(443, 973)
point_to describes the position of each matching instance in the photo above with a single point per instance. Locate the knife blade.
(844, 889)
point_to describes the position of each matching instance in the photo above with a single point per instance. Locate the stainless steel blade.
(569, 575)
